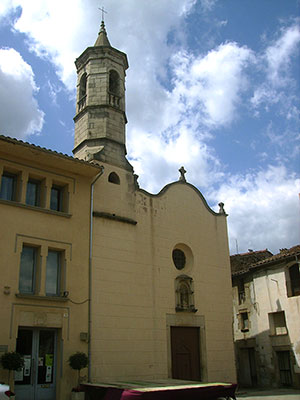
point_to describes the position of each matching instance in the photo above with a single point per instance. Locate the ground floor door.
(284, 365)
(185, 350)
(36, 381)
(247, 367)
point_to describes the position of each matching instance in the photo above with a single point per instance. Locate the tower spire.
(102, 39)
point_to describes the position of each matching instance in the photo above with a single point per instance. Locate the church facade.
(140, 282)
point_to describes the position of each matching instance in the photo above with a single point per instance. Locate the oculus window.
(179, 259)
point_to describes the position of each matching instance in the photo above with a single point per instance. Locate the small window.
(178, 258)
(244, 319)
(28, 269)
(33, 193)
(53, 273)
(56, 199)
(114, 178)
(294, 275)
(82, 86)
(8, 186)
(114, 82)
(277, 323)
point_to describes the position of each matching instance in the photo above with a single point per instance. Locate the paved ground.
(276, 394)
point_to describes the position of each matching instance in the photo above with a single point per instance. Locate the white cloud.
(17, 88)
(58, 30)
(279, 54)
(276, 62)
(263, 208)
(213, 83)
(174, 129)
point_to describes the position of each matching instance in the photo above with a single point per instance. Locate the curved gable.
(197, 191)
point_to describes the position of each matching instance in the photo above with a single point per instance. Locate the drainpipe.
(90, 271)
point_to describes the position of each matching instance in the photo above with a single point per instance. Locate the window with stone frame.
(33, 279)
(33, 192)
(57, 198)
(244, 321)
(295, 279)
(277, 323)
(184, 293)
(292, 275)
(28, 269)
(53, 273)
(8, 186)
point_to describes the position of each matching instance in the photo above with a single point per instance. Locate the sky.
(212, 85)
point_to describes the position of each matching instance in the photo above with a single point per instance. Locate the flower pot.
(77, 395)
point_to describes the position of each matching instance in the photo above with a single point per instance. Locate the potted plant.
(12, 361)
(78, 361)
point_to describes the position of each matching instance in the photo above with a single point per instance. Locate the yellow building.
(44, 247)
(157, 269)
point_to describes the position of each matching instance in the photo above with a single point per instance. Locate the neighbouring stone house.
(266, 307)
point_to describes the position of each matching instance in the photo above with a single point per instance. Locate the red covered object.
(154, 391)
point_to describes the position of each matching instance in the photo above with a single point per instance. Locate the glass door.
(36, 381)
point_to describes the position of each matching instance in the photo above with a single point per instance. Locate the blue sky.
(212, 85)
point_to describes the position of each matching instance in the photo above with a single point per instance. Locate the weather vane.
(103, 11)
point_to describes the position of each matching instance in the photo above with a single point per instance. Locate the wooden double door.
(185, 349)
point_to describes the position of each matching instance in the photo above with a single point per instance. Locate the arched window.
(114, 83)
(82, 86)
(184, 293)
(114, 178)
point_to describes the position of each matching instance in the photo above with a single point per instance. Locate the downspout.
(90, 271)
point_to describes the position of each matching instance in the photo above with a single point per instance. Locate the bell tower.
(100, 107)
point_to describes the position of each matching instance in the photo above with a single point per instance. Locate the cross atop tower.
(103, 11)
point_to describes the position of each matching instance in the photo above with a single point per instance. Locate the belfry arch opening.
(114, 82)
(82, 86)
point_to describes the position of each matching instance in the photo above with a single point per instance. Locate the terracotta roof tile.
(44, 149)
(242, 263)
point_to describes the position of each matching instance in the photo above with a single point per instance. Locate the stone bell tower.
(100, 108)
